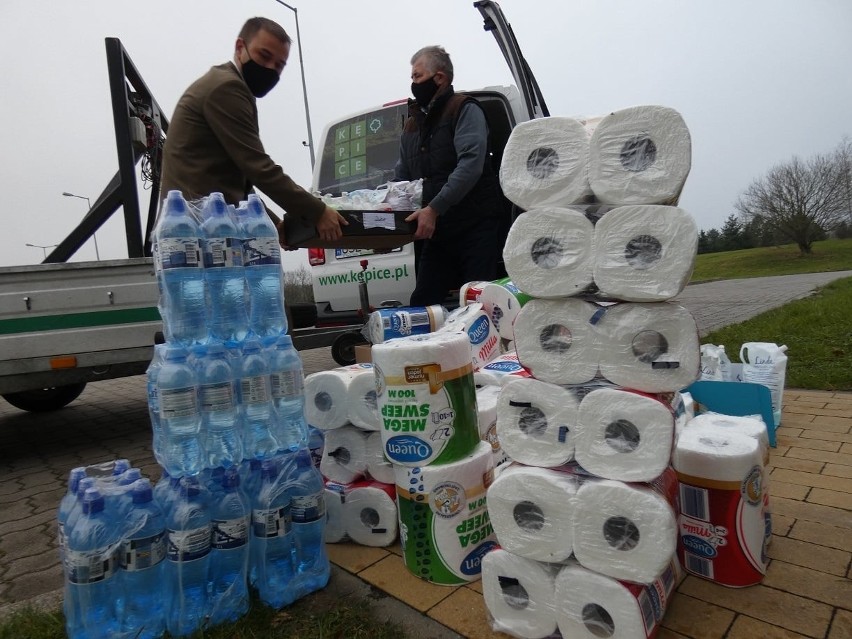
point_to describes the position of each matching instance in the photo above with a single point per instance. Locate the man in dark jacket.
(445, 142)
(214, 140)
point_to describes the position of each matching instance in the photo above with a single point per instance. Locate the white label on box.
(379, 220)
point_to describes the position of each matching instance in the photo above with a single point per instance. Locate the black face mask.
(424, 91)
(260, 80)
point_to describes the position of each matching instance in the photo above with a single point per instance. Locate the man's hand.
(426, 218)
(328, 226)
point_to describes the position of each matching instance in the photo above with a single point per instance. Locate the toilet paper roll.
(473, 321)
(625, 531)
(623, 435)
(532, 511)
(549, 252)
(502, 301)
(390, 323)
(444, 525)
(593, 605)
(644, 253)
(545, 162)
(648, 347)
(486, 408)
(555, 340)
(536, 422)
(327, 397)
(751, 426)
(370, 515)
(361, 397)
(426, 397)
(640, 155)
(378, 466)
(335, 528)
(500, 370)
(345, 457)
(519, 594)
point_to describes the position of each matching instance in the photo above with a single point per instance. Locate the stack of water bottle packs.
(586, 516)
(240, 502)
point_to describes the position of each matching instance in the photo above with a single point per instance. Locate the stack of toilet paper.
(361, 512)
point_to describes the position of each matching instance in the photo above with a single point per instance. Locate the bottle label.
(308, 508)
(260, 251)
(254, 389)
(287, 385)
(90, 566)
(186, 545)
(178, 252)
(222, 252)
(142, 553)
(178, 402)
(230, 533)
(271, 522)
(216, 397)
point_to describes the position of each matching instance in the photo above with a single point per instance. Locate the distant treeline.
(735, 235)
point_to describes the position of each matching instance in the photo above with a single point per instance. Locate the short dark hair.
(253, 25)
(436, 59)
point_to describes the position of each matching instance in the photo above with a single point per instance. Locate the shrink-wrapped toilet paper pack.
(500, 370)
(327, 396)
(335, 529)
(370, 515)
(378, 466)
(474, 322)
(545, 163)
(549, 252)
(640, 155)
(486, 407)
(361, 397)
(344, 458)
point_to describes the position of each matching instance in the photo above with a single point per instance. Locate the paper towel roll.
(545, 162)
(486, 408)
(327, 397)
(473, 321)
(345, 457)
(361, 398)
(378, 466)
(502, 301)
(532, 511)
(624, 531)
(444, 525)
(648, 347)
(390, 323)
(519, 594)
(335, 528)
(593, 605)
(370, 514)
(644, 253)
(536, 422)
(500, 370)
(426, 397)
(549, 252)
(555, 339)
(623, 435)
(640, 155)
(751, 426)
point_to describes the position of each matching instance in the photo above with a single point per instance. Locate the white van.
(359, 151)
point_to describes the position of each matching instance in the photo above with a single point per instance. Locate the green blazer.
(214, 144)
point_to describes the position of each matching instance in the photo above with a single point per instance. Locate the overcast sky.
(757, 82)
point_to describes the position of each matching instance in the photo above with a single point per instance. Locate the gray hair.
(436, 59)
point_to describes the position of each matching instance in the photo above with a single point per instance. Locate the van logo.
(405, 448)
(479, 331)
(472, 564)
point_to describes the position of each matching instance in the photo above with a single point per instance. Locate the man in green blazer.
(214, 139)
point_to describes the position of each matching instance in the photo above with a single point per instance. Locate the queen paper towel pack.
(519, 594)
(549, 252)
(644, 253)
(426, 398)
(640, 155)
(474, 322)
(545, 162)
(623, 435)
(532, 511)
(444, 525)
(340, 396)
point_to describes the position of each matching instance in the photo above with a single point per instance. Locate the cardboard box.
(363, 354)
(366, 229)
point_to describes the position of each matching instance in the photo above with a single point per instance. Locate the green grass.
(828, 255)
(817, 331)
(318, 616)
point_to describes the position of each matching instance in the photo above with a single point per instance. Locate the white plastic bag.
(766, 363)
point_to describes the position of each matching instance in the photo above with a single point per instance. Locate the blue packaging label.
(479, 331)
(222, 252)
(401, 323)
(407, 449)
(178, 252)
(90, 566)
(187, 545)
(259, 251)
(142, 553)
(503, 367)
(230, 533)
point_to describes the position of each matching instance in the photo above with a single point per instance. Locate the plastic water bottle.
(188, 559)
(272, 537)
(263, 271)
(142, 555)
(179, 414)
(163, 490)
(66, 504)
(288, 395)
(307, 507)
(91, 577)
(119, 466)
(316, 444)
(220, 415)
(122, 501)
(231, 515)
(154, 401)
(177, 237)
(222, 250)
(256, 403)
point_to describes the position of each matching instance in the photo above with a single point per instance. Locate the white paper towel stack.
(344, 395)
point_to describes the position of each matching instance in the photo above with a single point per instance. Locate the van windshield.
(360, 152)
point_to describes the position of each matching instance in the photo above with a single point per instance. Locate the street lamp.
(43, 248)
(304, 86)
(94, 235)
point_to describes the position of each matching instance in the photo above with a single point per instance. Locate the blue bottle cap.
(93, 502)
(141, 491)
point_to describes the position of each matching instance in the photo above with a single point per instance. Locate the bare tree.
(801, 199)
(843, 157)
(298, 287)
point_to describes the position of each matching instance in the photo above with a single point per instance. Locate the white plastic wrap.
(345, 456)
(362, 513)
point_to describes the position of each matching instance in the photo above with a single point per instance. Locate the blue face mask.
(259, 79)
